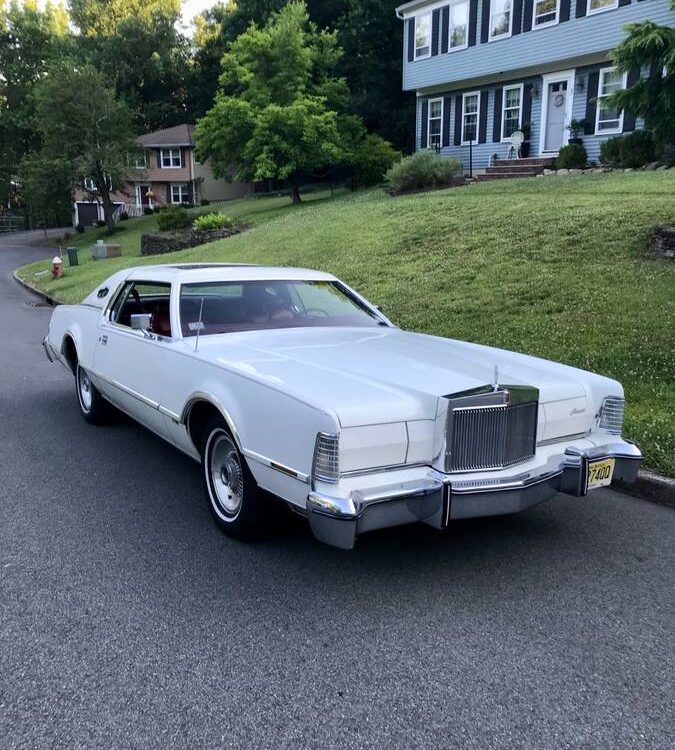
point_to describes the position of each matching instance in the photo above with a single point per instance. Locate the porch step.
(504, 175)
(514, 167)
(543, 162)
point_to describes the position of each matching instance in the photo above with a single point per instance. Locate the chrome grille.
(483, 433)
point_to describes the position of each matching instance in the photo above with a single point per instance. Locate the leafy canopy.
(653, 98)
(280, 108)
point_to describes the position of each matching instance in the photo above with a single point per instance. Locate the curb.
(651, 487)
(34, 290)
(648, 486)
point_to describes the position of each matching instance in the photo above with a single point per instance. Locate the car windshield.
(229, 306)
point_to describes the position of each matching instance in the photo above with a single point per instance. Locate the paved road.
(128, 621)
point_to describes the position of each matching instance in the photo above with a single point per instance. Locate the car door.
(131, 365)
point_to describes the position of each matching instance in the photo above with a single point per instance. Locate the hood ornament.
(495, 382)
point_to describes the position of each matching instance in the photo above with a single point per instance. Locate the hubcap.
(85, 390)
(227, 477)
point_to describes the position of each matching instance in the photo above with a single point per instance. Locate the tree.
(105, 17)
(30, 39)
(653, 98)
(83, 122)
(46, 188)
(280, 107)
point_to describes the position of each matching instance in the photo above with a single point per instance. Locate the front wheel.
(93, 407)
(234, 498)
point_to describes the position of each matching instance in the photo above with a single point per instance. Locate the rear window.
(227, 307)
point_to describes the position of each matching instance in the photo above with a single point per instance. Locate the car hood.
(373, 376)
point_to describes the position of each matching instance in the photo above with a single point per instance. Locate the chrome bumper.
(439, 498)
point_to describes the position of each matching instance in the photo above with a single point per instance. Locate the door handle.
(103, 340)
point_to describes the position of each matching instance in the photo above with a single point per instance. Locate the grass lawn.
(554, 267)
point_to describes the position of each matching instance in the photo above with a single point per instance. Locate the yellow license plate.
(600, 473)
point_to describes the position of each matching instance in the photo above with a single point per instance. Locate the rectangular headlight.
(326, 465)
(611, 415)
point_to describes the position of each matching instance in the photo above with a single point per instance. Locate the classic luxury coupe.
(288, 380)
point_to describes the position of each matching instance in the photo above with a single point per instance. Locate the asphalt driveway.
(128, 621)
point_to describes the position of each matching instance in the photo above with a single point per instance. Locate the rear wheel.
(93, 407)
(234, 498)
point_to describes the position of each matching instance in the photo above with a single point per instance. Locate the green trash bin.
(72, 256)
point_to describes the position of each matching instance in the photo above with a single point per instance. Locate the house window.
(597, 6)
(171, 158)
(500, 19)
(140, 161)
(422, 36)
(435, 123)
(545, 13)
(470, 117)
(609, 119)
(513, 107)
(179, 193)
(459, 19)
(92, 187)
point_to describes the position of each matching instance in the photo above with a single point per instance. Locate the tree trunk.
(295, 190)
(107, 209)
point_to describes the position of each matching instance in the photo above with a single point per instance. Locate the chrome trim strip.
(381, 469)
(552, 441)
(500, 486)
(281, 468)
(170, 414)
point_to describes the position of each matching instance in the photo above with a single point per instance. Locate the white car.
(288, 380)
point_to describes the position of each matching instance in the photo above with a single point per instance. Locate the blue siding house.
(485, 68)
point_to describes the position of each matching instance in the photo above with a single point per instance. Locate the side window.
(144, 297)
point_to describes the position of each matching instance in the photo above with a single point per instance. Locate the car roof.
(186, 273)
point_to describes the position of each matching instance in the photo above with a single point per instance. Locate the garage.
(87, 214)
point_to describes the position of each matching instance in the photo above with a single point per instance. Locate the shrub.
(372, 158)
(609, 152)
(147, 210)
(124, 216)
(634, 150)
(572, 156)
(100, 222)
(424, 169)
(209, 222)
(79, 228)
(205, 202)
(173, 218)
(637, 149)
(667, 155)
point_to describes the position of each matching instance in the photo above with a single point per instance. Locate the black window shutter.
(564, 14)
(425, 124)
(591, 103)
(517, 24)
(629, 118)
(527, 15)
(447, 105)
(623, 2)
(159, 158)
(581, 8)
(497, 122)
(411, 39)
(435, 28)
(445, 27)
(168, 192)
(482, 125)
(458, 120)
(485, 22)
(526, 112)
(473, 21)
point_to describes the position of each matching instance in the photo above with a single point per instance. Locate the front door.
(145, 198)
(557, 93)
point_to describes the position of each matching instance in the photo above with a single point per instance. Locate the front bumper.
(48, 349)
(438, 498)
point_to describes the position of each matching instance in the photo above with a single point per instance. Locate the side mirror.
(141, 322)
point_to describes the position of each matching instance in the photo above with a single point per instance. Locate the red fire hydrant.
(57, 264)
